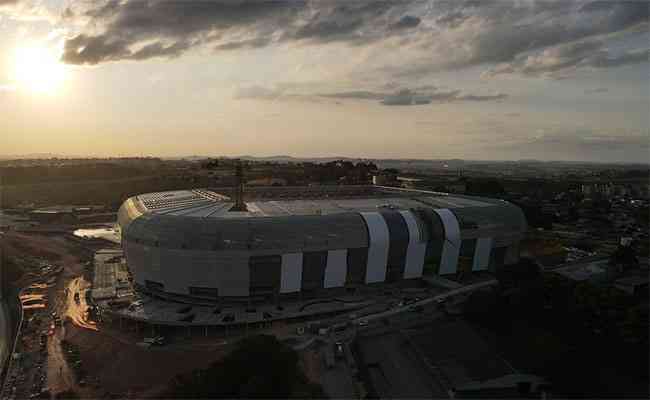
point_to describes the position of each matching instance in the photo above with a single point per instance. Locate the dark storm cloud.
(83, 49)
(177, 23)
(440, 34)
(474, 33)
(185, 24)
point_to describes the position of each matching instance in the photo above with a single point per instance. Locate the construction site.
(86, 328)
(184, 275)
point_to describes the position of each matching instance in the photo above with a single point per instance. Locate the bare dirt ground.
(126, 368)
(111, 361)
(312, 364)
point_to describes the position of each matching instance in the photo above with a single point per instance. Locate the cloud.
(257, 92)
(227, 25)
(466, 34)
(488, 97)
(597, 90)
(244, 44)
(357, 94)
(558, 61)
(26, 10)
(407, 21)
(408, 97)
(403, 97)
(530, 38)
(116, 27)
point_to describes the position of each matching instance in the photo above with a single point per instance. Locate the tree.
(259, 367)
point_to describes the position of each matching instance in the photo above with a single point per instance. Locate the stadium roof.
(285, 201)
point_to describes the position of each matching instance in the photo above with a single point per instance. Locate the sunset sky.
(552, 80)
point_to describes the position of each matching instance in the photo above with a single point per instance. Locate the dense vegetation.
(259, 367)
(48, 174)
(589, 341)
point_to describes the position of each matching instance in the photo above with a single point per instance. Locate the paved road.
(429, 300)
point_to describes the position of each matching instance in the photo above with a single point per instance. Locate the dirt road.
(59, 375)
(76, 306)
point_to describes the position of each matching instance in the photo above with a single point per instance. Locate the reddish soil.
(123, 368)
(113, 363)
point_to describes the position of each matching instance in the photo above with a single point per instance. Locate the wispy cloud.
(402, 97)
(597, 90)
(560, 61)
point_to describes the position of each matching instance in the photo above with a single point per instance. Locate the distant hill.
(33, 156)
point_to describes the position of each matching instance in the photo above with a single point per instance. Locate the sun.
(38, 69)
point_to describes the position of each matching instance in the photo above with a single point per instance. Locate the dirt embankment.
(111, 362)
(126, 368)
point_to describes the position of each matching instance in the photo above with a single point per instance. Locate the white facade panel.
(379, 241)
(291, 273)
(451, 247)
(415, 250)
(336, 268)
(482, 254)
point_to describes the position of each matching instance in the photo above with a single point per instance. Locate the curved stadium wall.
(243, 256)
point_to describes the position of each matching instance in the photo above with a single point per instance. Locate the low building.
(443, 359)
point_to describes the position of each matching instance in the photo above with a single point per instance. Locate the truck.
(155, 340)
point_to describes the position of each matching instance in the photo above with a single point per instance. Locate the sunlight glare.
(38, 69)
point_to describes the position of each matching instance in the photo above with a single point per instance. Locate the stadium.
(280, 242)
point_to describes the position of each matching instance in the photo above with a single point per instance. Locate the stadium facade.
(189, 244)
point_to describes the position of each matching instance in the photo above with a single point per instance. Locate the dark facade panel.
(313, 269)
(399, 241)
(205, 292)
(154, 286)
(434, 227)
(497, 258)
(466, 256)
(357, 264)
(265, 274)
